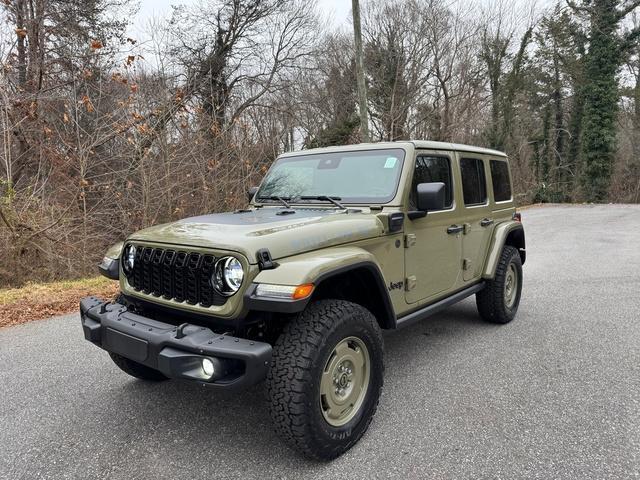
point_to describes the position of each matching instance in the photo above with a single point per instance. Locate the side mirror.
(251, 192)
(430, 196)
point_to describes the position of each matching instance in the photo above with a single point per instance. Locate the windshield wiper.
(277, 199)
(325, 198)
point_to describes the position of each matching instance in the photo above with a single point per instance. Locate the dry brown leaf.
(52, 299)
(96, 44)
(87, 103)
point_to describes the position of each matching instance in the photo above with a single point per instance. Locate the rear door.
(476, 214)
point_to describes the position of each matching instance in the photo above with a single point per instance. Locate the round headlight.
(227, 276)
(128, 258)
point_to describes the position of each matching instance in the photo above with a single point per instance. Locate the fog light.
(208, 368)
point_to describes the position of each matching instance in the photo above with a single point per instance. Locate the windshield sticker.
(391, 162)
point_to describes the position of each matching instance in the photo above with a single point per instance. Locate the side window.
(500, 180)
(474, 183)
(432, 169)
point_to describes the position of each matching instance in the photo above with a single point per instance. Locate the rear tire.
(325, 378)
(498, 302)
(136, 369)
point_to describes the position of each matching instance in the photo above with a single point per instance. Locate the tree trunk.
(559, 130)
(362, 87)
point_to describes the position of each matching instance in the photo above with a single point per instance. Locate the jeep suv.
(335, 246)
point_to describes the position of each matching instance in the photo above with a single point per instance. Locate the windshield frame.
(398, 151)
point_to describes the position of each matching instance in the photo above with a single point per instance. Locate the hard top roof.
(418, 144)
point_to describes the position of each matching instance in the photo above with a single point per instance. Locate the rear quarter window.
(500, 180)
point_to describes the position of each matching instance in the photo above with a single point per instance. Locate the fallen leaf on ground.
(41, 301)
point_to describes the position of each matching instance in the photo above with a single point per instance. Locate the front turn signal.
(302, 291)
(293, 292)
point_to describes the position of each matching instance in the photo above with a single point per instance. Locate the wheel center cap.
(342, 382)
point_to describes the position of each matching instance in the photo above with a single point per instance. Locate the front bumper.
(177, 352)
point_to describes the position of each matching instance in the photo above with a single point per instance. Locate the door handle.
(453, 229)
(485, 222)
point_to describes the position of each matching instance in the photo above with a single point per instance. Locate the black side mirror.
(430, 196)
(251, 192)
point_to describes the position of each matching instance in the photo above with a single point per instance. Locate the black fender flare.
(386, 317)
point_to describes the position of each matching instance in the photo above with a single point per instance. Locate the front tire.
(326, 377)
(498, 302)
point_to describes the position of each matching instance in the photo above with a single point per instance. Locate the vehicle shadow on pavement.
(456, 322)
(234, 423)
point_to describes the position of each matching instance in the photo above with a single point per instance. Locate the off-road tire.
(491, 299)
(293, 383)
(136, 369)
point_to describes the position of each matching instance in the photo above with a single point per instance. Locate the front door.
(432, 255)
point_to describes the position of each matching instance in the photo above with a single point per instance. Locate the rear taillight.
(517, 217)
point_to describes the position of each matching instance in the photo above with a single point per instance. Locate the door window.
(474, 183)
(432, 169)
(500, 180)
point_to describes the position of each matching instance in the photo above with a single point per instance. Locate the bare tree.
(102, 134)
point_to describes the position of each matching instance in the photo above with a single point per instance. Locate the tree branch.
(628, 9)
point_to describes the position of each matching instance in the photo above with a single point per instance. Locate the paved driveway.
(554, 394)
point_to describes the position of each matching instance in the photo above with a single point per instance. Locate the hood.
(248, 231)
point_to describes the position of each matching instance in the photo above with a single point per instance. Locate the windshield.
(352, 177)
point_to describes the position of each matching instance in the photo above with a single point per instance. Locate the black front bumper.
(176, 352)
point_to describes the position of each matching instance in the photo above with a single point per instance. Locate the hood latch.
(265, 262)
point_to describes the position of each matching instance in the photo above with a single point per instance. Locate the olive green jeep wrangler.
(335, 246)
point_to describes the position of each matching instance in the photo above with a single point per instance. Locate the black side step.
(429, 310)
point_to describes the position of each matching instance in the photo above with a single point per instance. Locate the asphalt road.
(554, 394)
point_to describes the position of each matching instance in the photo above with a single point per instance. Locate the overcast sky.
(337, 10)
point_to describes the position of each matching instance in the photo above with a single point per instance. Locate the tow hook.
(180, 330)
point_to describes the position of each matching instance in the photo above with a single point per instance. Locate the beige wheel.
(498, 301)
(510, 286)
(344, 382)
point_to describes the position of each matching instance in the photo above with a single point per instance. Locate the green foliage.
(574, 93)
(338, 133)
(556, 80)
(386, 63)
(8, 191)
(503, 86)
(602, 62)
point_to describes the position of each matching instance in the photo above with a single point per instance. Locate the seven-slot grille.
(175, 274)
